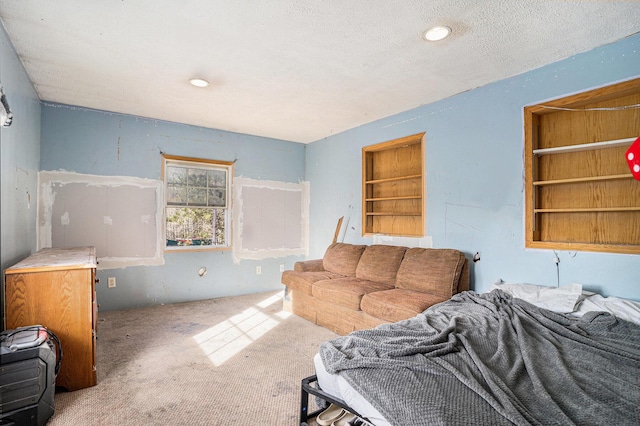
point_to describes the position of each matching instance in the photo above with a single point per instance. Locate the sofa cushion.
(435, 271)
(380, 263)
(302, 281)
(347, 291)
(342, 258)
(397, 304)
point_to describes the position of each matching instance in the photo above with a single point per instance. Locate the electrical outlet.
(281, 268)
(258, 270)
(112, 282)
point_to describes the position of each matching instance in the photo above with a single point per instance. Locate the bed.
(519, 354)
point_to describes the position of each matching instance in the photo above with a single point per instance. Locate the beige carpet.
(228, 361)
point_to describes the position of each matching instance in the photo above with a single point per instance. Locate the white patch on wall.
(423, 242)
(270, 219)
(120, 216)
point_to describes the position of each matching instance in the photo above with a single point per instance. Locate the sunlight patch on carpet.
(226, 339)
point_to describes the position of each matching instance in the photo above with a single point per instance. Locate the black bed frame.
(310, 386)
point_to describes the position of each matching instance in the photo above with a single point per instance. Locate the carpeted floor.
(229, 361)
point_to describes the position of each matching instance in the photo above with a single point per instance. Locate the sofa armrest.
(314, 265)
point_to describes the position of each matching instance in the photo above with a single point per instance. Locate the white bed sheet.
(337, 386)
(628, 310)
(571, 299)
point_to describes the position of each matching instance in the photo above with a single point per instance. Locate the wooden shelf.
(408, 197)
(589, 210)
(585, 146)
(393, 179)
(394, 214)
(583, 179)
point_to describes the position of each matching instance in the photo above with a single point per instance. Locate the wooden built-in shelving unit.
(580, 194)
(393, 187)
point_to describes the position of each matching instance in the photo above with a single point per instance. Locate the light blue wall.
(101, 143)
(475, 169)
(474, 179)
(20, 159)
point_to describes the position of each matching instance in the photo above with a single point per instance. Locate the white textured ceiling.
(298, 70)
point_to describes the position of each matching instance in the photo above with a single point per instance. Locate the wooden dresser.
(56, 288)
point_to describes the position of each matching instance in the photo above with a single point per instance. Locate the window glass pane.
(197, 196)
(191, 226)
(196, 204)
(217, 197)
(176, 194)
(219, 226)
(217, 178)
(176, 175)
(198, 177)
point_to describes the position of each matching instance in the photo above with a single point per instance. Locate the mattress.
(337, 386)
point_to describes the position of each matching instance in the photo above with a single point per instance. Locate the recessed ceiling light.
(199, 82)
(437, 33)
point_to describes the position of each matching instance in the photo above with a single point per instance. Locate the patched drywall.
(110, 144)
(271, 219)
(120, 216)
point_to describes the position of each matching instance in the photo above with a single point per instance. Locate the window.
(197, 194)
(393, 187)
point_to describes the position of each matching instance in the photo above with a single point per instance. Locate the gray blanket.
(492, 360)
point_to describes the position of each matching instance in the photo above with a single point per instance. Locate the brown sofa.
(355, 287)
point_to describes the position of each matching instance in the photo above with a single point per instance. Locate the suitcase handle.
(17, 346)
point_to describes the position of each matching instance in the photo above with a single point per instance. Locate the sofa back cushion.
(380, 263)
(342, 258)
(434, 271)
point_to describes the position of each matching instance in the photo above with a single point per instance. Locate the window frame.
(203, 163)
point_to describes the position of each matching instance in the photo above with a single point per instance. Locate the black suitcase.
(28, 370)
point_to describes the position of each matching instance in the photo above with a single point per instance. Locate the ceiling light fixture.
(199, 82)
(437, 33)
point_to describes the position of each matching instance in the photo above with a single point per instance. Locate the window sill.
(183, 249)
